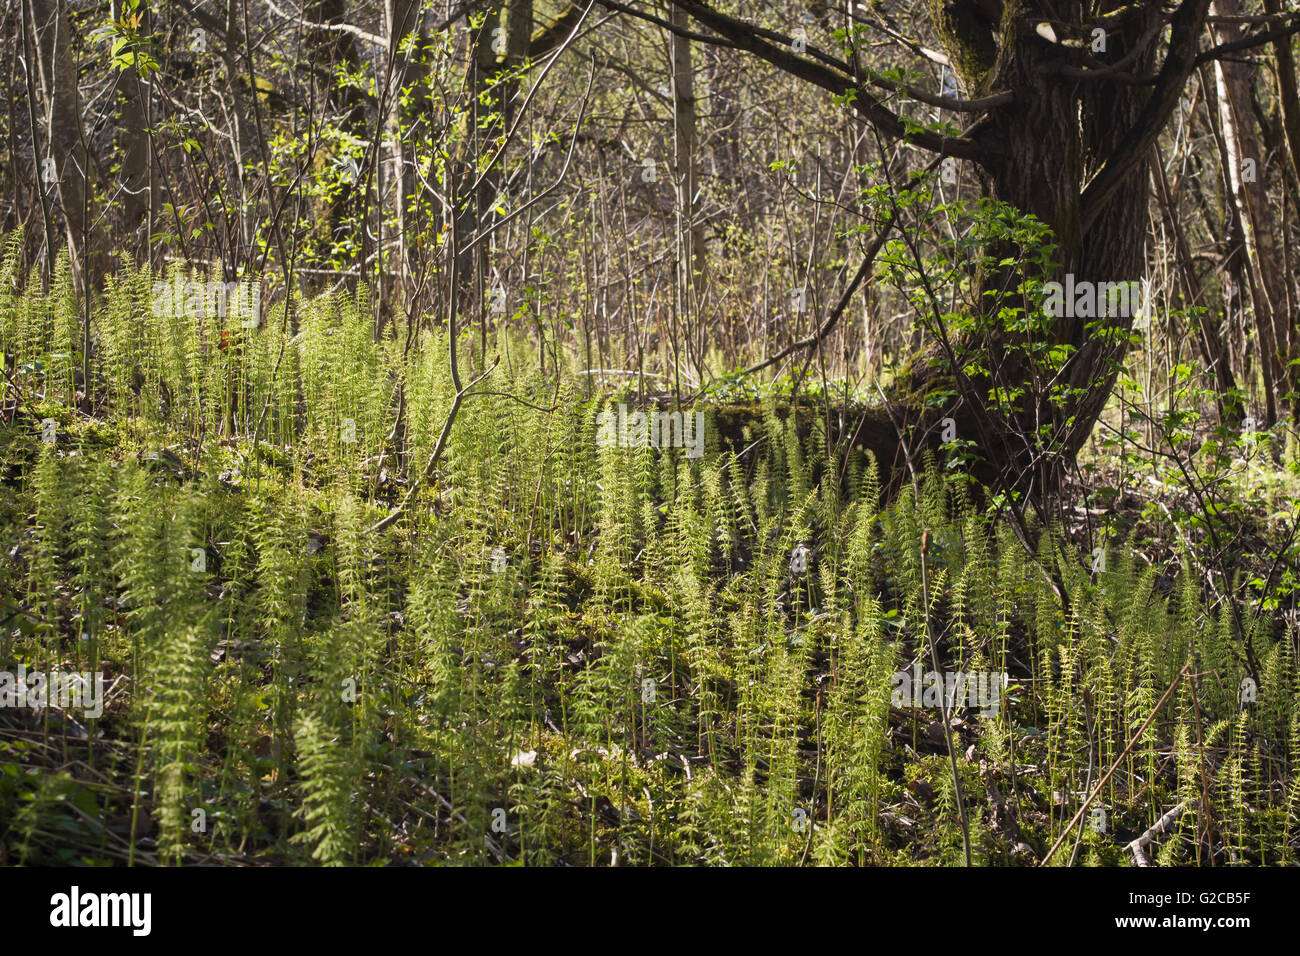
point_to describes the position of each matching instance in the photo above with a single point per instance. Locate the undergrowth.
(563, 653)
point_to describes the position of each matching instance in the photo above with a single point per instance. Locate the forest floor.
(568, 651)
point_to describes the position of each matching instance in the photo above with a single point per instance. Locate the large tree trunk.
(1065, 136)
(1045, 150)
(519, 37)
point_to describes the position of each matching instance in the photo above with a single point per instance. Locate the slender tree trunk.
(1288, 94)
(242, 120)
(65, 161)
(409, 110)
(470, 197)
(1213, 353)
(44, 194)
(690, 237)
(345, 105)
(1249, 195)
(1289, 97)
(136, 165)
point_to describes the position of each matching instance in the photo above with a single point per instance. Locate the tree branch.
(1249, 42)
(834, 77)
(1185, 28)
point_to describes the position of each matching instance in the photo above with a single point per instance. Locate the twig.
(456, 402)
(501, 855)
(1101, 784)
(1163, 824)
